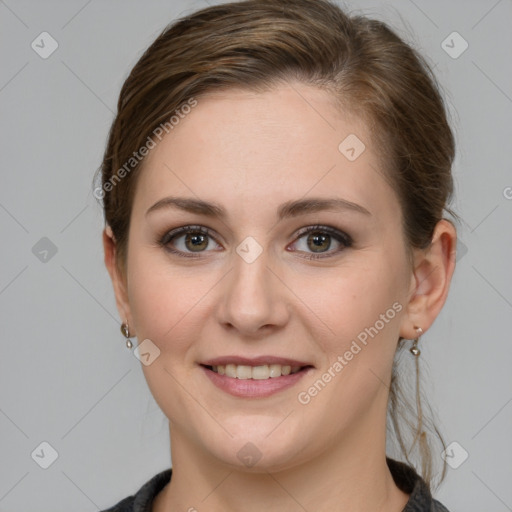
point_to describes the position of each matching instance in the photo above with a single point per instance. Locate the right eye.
(194, 239)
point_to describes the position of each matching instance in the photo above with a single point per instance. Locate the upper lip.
(253, 361)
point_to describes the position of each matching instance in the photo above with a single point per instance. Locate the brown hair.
(254, 45)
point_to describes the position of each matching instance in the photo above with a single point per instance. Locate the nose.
(254, 299)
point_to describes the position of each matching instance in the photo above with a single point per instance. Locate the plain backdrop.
(66, 377)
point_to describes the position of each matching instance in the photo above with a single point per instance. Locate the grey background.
(65, 375)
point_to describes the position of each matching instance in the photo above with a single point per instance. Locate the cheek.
(362, 305)
(166, 306)
(359, 296)
(362, 308)
(163, 300)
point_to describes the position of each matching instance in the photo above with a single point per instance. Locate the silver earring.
(415, 351)
(126, 333)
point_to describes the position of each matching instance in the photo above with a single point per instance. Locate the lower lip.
(254, 388)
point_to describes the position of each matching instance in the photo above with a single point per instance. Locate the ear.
(432, 274)
(118, 279)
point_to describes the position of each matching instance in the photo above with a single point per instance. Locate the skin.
(250, 152)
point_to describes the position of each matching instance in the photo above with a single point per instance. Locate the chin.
(260, 448)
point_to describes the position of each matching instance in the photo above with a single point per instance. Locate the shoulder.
(125, 505)
(438, 507)
(141, 501)
(420, 498)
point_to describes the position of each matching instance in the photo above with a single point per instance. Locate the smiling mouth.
(260, 372)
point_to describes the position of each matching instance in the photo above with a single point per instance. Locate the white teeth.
(243, 372)
(275, 370)
(230, 370)
(262, 372)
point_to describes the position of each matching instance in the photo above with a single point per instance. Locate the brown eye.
(187, 240)
(319, 242)
(319, 239)
(196, 242)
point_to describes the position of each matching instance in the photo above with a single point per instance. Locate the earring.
(126, 333)
(420, 436)
(414, 350)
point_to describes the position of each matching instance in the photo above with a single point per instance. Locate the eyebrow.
(286, 210)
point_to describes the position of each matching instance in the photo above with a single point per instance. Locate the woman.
(274, 186)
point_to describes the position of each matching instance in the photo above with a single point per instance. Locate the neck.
(348, 476)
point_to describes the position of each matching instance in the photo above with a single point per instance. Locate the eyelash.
(339, 236)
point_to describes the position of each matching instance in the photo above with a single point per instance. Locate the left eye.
(319, 241)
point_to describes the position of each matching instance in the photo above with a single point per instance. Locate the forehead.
(251, 149)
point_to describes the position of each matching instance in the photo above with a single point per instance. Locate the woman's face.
(238, 303)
